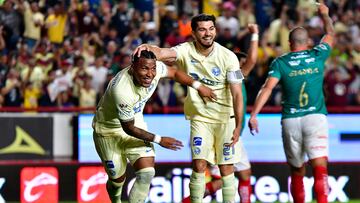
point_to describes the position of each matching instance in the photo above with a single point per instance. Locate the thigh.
(135, 149)
(293, 141)
(110, 154)
(315, 132)
(224, 153)
(202, 141)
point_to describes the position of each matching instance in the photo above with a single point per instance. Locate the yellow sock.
(197, 187)
(228, 188)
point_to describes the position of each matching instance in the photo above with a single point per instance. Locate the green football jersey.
(301, 76)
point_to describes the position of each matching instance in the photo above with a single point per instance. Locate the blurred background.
(56, 58)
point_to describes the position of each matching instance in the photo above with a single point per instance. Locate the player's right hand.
(140, 48)
(171, 143)
(253, 125)
(206, 93)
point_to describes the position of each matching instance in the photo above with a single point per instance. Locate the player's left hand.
(206, 93)
(253, 125)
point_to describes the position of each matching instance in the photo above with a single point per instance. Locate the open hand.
(206, 93)
(253, 125)
(171, 143)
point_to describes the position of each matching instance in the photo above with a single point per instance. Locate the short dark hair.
(199, 18)
(144, 54)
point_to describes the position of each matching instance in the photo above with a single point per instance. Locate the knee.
(199, 166)
(145, 175)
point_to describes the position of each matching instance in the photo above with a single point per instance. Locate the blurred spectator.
(87, 95)
(150, 35)
(12, 90)
(168, 23)
(98, 73)
(227, 20)
(33, 74)
(31, 95)
(184, 25)
(337, 85)
(84, 20)
(56, 24)
(33, 22)
(212, 7)
(11, 19)
(121, 20)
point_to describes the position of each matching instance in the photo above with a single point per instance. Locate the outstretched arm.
(328, 24)
(166, 142)
(179, 76)
(162, 54)
(260, 101)
(253, 50)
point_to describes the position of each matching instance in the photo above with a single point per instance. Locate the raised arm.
(253, 50)
(260, 101)
(162, 54)
(328, 24)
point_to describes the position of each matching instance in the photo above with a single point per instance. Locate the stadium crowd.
(62, 53)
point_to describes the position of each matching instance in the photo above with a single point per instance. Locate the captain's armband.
(235, 76)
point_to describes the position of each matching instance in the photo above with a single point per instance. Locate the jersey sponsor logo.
(91, 185)
(23, 143)
(216, 71)
(206, 81)
(227, 150)
(294, 63)
(305, 71)
(197, 141)
(39, 184)
(300, 56)
(294, 110)
(310, 60)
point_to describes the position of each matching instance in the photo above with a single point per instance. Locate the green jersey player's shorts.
(209, 141)
(115, 148)
(305, 135)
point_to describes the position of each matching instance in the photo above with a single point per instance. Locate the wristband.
(157, 139)
(196, 84)
(255, 37)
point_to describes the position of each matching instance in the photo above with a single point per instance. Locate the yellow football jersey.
(213, 71)
(124, 101)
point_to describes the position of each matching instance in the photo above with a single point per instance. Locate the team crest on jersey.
(216, 71)
(197, 150)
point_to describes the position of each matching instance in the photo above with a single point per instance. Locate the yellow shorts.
(115, 150)
(209, 142)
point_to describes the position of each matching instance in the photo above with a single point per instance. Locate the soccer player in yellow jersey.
(216, 124)
(120, 133)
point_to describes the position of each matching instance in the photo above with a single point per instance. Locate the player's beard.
(206, 45)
